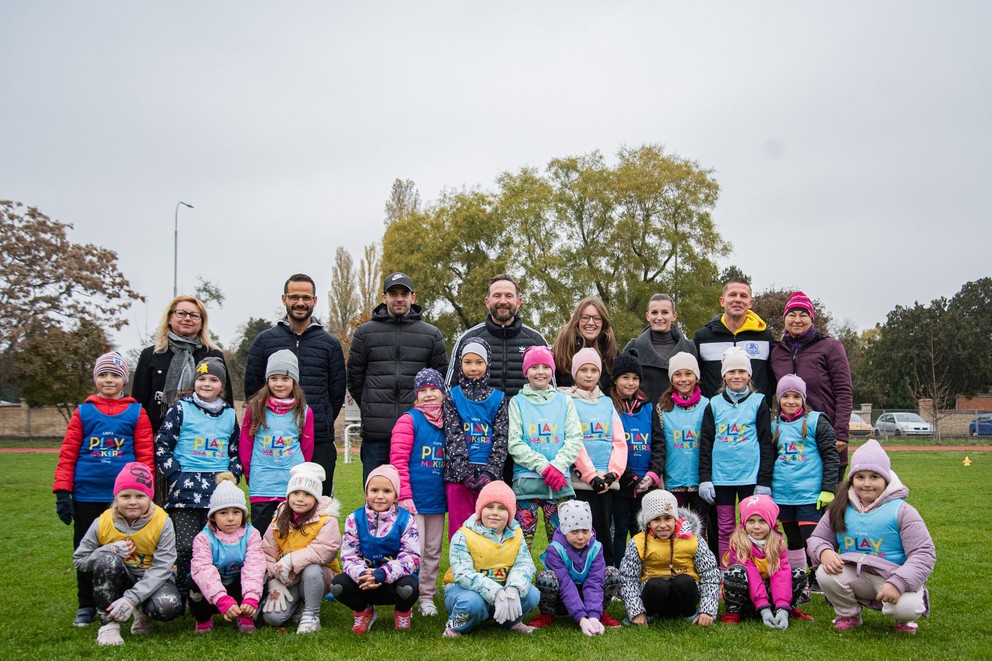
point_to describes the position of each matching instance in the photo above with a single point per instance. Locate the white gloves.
(279, 596)
(707, 492)
(762, 491)
(777, 620)
(283, 568)
(591, 626)
(121, 610)
(121, 549)
(507, 606)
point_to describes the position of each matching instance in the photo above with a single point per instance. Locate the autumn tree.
(53, 366)
(46, 278)
(403, 200)
(342, 298)
(237, 360)
(369, 285)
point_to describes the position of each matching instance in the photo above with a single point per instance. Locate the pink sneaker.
(906, 627)
(204, 627)
(364, 620)
(847, 623)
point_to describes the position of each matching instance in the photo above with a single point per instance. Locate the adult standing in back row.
(508, 338)
(386, 353)
(738, 326)
(657, 343)
(321, 364)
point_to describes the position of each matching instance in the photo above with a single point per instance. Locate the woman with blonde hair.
(589, 326)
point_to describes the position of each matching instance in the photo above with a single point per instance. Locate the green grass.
(39, 595)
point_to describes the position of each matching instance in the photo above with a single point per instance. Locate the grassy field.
(39, 595)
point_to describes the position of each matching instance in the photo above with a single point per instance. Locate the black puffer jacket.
(507, 361)
(386, 353)
(655, 367)
(322, 374)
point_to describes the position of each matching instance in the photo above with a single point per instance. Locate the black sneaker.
(84, 617)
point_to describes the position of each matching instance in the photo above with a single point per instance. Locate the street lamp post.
(175, 251)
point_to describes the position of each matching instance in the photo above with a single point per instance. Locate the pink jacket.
(323, 548)
(405, 564)
(400, 448)
(207, 578)
(780, 582)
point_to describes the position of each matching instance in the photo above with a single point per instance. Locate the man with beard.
(508, 337)
(321, 360)
(386, 353)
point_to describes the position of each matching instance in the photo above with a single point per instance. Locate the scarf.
(795, 344)
(179, 378)
(476, 389)
(789, 418)
(690, 401)
(432, 412)
(279, 405)
(737, 397)
(581, 393)
(760, 543)
(214, 407)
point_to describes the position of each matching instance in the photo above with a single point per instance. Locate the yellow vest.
(145, 540)
(300, 538)
(762, 565)
(492, 559)
(665, 558)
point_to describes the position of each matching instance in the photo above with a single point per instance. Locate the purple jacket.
(823, 365)
(921, 556)
(588, 603)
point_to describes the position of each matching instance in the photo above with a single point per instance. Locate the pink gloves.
(554, 478)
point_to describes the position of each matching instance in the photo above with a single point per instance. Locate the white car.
(903, 424)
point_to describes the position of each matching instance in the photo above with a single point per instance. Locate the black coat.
(655, 367)
(508, 344)
(322, 374)
(386, 353)
(149, 379)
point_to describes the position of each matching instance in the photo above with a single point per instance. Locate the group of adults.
(388, 350)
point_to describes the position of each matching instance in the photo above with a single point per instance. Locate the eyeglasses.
(296, 298)
(590, 319)
(182, 314)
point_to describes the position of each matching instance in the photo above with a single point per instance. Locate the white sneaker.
(520, 627)
(141, 625)
(109, 634)
(427, 607)
(308, 624)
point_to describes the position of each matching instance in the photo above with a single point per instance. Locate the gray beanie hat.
(213, 366)
(657, 503)
(683, 361)
(574, 515)
(227, 494)
(285, 362)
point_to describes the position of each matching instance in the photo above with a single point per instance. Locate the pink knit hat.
(538, 355)
(496, 492)
(585, 357)
(799, 301)
(763, 506)
(135, 475)
(389, 472)
(871, 457)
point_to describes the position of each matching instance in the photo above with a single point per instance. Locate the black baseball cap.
(401, 279)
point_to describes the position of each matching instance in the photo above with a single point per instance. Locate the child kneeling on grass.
(872, 548)
(576, 580)
(491, 568)
(666, 571)
(380, 557)
(131, 550)
(760, 578)
(228, 565)
(300, 549)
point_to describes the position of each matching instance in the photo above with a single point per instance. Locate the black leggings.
(670, 597)
(601, 505)
(358, 599)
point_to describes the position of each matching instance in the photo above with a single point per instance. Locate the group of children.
(598, 466)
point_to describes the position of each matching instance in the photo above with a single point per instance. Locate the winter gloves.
(476, 482)
(777, 620)
(554, 478)
(707, 492)
(121, 610)
(825, 499)
(507, 607)
(283, 568)
(407, 504)
(63, 506)
(591, 626)
(762, 491)
(279, 596)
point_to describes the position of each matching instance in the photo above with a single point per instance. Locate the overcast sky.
(851, 140)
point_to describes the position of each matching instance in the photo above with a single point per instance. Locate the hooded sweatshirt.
(715, 337)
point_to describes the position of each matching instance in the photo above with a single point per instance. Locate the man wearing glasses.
(321, 359)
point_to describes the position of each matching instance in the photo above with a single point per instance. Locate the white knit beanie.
(683, 361)
(227, 494)
(308, 477)
(657, 503)
(735, 358)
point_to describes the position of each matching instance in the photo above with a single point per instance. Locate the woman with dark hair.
(589, 326)
(165, 369)
(657, 343)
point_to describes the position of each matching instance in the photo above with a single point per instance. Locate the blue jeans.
(468, 609)
(373, 456)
